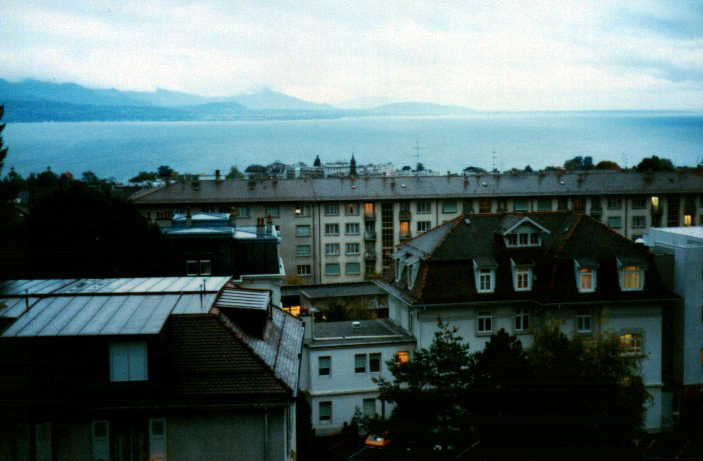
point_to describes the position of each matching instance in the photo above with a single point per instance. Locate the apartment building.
(520, 271)
(344, 230)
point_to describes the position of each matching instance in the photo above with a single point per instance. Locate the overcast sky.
(488, 55)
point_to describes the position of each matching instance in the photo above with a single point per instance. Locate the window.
(205, 267)
(586, 280)
(595, 203)
(404, 229)
(403, 356)
(360, 363)
(353, 248)
(302, 211)
(303, 269)
(639, 203)
(615, 222)
(522, 320)
(353, 268)
(502, 205)
(325, 411)
(486, 280)
(484, 206)
(302, 250)
(655, 203)
(687, 220)
(369, 408)
(631, 343)
(523, 278)
(272, 211)
(324, 366)
(370, 268)
(639, 221)
(331, 229)
(562, 204)
(332, 249)
(449, 206)
(424, 207)
(523, 239)
(583, 322)
(578, 204)
(128, 361)
(423, 226)
(375, 362)
(157, 439)
(631, 278)
(351, 228)
(163, 215)
(520, 205)
(544, 204)
(191, 267)
(332, 269)
(331, 209)
(368, 209)
(198, 267)
(101, 440)
(302, 231)
(614, 203)
(351, 209)
(485, 321)
(242, 211)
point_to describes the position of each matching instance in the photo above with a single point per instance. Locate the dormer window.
(585, 269)
(631, 273)
(522, 275)
(521, 231)
(413, 267)
(485, 274)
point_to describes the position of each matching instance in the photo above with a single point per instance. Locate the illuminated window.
(302, 211)
(325, 411)
(522, 320)
(585, 279)
(404, 228)
(687, 220)
(523, 278)
(403, 356)
(324, 366)
(368, 209)
(484, 206)
(631, 343)
(583, 322)
(631, 278)
(485, 321)
(655, 203)
(360, 363)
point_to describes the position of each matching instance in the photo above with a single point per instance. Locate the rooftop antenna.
(417, 156)
(493, 161)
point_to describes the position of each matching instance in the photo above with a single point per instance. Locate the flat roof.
(318, 291)
(359, 332)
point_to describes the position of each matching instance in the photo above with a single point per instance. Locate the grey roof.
(333, 290)
(486, 262)
(365, 332)
(279, 347)
(386, 188)
(232, 298)
(106, 306)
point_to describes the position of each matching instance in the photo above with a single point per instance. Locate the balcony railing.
(404, 215)
(370, 254)
(369, 216)
(405, 236)
(370, 235)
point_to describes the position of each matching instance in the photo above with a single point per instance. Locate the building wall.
(643, 319)
(620, 217)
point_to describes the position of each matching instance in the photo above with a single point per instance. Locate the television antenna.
(417, 149)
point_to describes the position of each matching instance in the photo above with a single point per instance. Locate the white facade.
(642, 320)
(686, 246)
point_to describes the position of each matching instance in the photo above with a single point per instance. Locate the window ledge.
(484, 333)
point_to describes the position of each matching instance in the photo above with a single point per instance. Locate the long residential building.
(344, 230)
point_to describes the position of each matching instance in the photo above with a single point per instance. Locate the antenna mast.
(417, 157)
(493, 161)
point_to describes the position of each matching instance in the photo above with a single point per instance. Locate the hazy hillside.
(267, 99)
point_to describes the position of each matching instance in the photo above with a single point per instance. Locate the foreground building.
(176, 368)
(344, 230)
(518, 271)
(685, 245)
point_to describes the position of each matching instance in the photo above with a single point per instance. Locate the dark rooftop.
(359, 332)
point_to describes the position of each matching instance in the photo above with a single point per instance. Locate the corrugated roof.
(233, 298)
(428, 187)
(105, 306)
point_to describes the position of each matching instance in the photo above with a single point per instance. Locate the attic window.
(128, 361)
(523, 239)
(631, 274)
(585, 269)
(485, 274)
(522, 275)
(413, 265)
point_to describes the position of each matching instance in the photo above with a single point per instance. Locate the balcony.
(404, 215)
(370, 235)
(405, 236)
(369, 216)
(370, 254)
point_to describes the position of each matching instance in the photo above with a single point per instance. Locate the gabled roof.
(511, 222)
(446, 272)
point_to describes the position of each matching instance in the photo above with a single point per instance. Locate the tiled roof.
(447, 274)
(208, 359)
(428, 187)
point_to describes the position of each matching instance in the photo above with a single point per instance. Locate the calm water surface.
(121, 149)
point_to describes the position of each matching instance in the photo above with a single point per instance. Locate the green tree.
(337, 311)
(428, 391)
(234, 173)
(317, 161)
(654, 163)
(608, 165)
(420, 167)
(165, 172)
(144, 176)
(579, 163)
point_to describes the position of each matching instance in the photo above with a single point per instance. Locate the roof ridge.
(621, 237)
(579, 217)
(143, 193)
(227, 324)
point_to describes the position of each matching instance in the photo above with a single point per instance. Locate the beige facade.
(318, 219)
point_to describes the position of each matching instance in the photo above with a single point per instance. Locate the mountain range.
(35, 101)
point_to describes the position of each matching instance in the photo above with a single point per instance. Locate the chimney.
(269, 225)
(233, 217)
(189, 221)
(217, 176)
(259, 227)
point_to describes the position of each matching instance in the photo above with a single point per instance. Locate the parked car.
(377, 441)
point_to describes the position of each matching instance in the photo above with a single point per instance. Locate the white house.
(340, 360)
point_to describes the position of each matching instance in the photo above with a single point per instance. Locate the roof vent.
(353, 186)
(484, 184)
(403, 186)
(561, 182)
(356, 325)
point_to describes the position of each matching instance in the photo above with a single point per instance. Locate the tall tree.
(165, 172)
(234, 173)
(317, 161)
(428, 390)
(653, 164)
(352, 166)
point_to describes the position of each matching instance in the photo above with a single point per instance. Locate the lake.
(122, 149)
